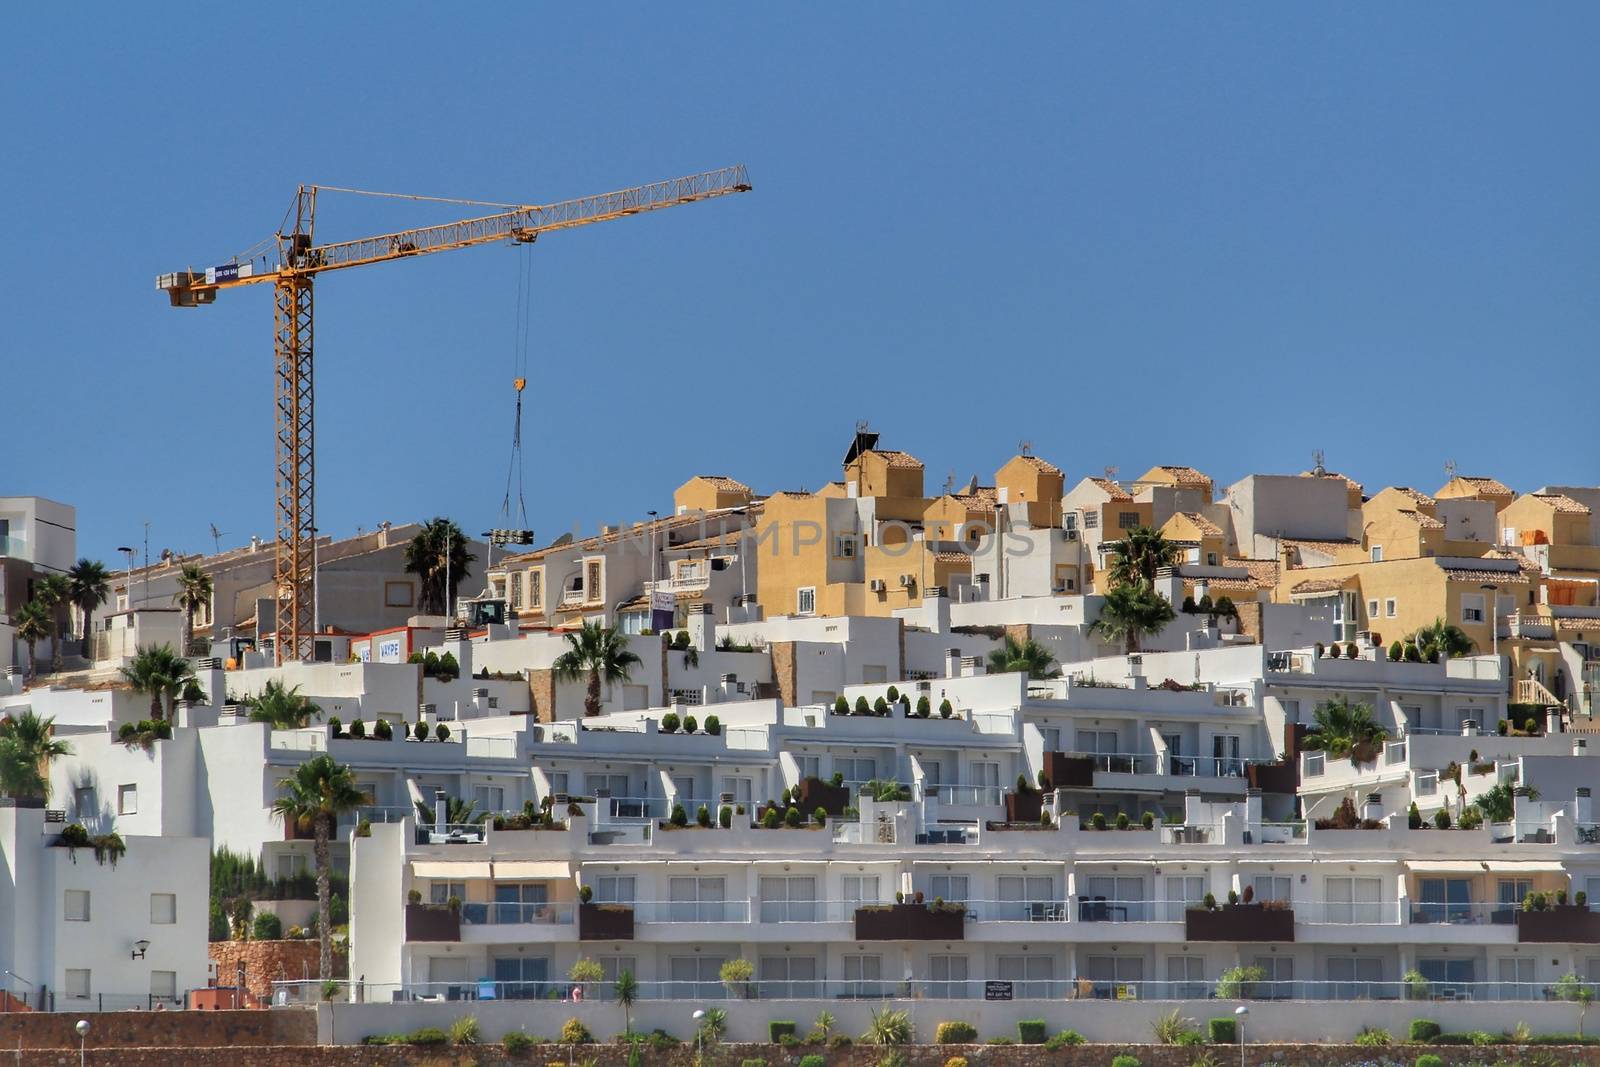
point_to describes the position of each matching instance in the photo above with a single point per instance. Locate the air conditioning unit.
(907, 581)
(876, 585)
(1072, 535)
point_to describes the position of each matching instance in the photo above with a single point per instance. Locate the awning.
(452, 870)
(1323, 861)
(1492, 866)
(1525, 866)
(532, 869)
(1447, 866)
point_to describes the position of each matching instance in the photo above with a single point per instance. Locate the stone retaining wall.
(173, 1029)
(266, 962)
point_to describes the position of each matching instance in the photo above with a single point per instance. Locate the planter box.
(1273, 777)
(909, 922)
(1564, 924)
(1024, 807)
(1068, 772)
(432, 922)
(1239, 922)
(605, 922)
(815, 793)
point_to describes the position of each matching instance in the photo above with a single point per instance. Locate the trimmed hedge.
(1063, 1039)
(1222, 1030)
(955, 1032)
(1423, 1030)
(1032, 1031)
(778, 1029)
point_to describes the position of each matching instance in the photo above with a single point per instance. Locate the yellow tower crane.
(291, 260)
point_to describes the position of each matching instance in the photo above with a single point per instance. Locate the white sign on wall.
(389, 650)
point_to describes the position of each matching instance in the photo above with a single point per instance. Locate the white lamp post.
(1238, 1014)
(83, 1033)
(698, 1048)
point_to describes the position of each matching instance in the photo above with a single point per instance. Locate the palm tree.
(598, 652)
(1340, 728)
(457, 812)
(33, 625)
(1027, 656)
(1129, 612)
(314, 798)
(627, 991)
(91, 586)
(194, 589)
(27, 747)
(1137, 557)
(160, 673)
(1447, 639)
(283, 707)
(54, 591)
(439, 547)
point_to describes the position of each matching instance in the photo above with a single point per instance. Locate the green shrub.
(1148, 820)
(880, 706)
(862, 708)
(752, 1061)
(358, 729)
(778, 1029)
(841, 706)
(1125, 1060)
(1223, 1030)
(1441, 819)
(956, 1061)
(267, 927)
(724, 816)
(812, 1060)
(946, 709)
(679, 817)
(924, 708)
(713, 725)
(428, 1035)
(1428, 1059)
(770, 818)
(464, 1031)
(1189, 1039)
(792, 818)
(573, 1032)
(1373, 1037)
(441, 732)
(1063, 1039)
(1423, 1030)
(690, 724)
(421, 732)
(516, 1041)
(702, 816)
(1031, 1031)
(670, 723)
(1001, 1041)
(955, 1032)
(382, 730)
(1098, 820)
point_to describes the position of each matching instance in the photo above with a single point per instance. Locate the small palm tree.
(1129, 612)
(284, 708)
(1138, 557)
(439, 549)
(161, 674)
(33, 625)
(599, 652)
(1028, 657)
(1340, 727)
(627, 991)
(194, 589)
(28, 746)
(890, 1026)
(1444, 638)
(458, 812)
(91, 586)
(54, 591)
(313, 799)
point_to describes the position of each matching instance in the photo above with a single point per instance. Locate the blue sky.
(1224, 235)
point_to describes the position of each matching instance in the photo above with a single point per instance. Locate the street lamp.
(83, 1034)
(1238, 1014)
(698, 1032)
(140, 947)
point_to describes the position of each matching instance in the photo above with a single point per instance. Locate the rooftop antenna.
(1449, 469)
(216, 538)
(1111, 473)
(1026, 447)
(1317, 467)
(949, 483)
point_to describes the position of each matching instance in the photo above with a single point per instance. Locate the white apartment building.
(37, 537)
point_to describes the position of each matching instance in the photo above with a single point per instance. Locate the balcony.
(1239, 922)
(498, 913)
(910, 922)
(432, 922)
(687, 581)
(1565, 924)
(605, 922)
(691, 911)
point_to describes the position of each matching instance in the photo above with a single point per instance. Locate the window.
(1372, 609)
(614, 889)
(1091, 520)
(844, 546)
(789, 900)
(863, 889)
(1444, 900)
(1391, 608)
(1211, 559)
(1358, 976)
(1427, 783)
(1354, 900)
(1448, 972)
(520, 977)
(1030, 976)
(1069, 521)
(163, 908)
(740, 789)
(1182, 891)
(866, 971)
(948, 887)
(611, 967)
(1186, 976)
(75, 908)
(1511, 892)
(1278, 977)
(164, 984)
(1515, 975)
(697, 900)
(558, 781)
(1472, 607)
(861, 769)
(127, 800)
(948, 976)
(489, 798)
(1270, 887)
(592, 570)
(615, 785)
(806, 601)
(695, 978)
(441, 892)
(521, 902)
(809, 766)
(1316, 764)
(535, 589)
(787, 976)
(1025, 898)
(1110, 899)
(1127, 520)
(85, 803)
(77, 983)
(1052, 738)
(1377, 553)
(514, 591)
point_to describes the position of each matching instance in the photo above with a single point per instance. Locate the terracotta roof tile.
(1427, 522)
(1562, 502)
(1185, 475)
(1349, 482)
(1489, 486)
(945, 555)
(1483, 575)
(1322, 585)
(1422, 499)
(724, 483)
(1112, 489)
(1043, 466)
(897, 459)
(1206, 527)
(1263, 572)
(985, 496)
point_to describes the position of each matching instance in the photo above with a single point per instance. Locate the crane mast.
(291, 261)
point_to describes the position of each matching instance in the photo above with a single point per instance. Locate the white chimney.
(441, 810)
(1469, 727)
(1583, 807)
(1580, 747)
(1252, 810)
(1136, 671)
(729, 686)
(1373, 809)
(936, 610)
(1192, 812)
(952, 663)
(1553, 722)
(703, 629)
